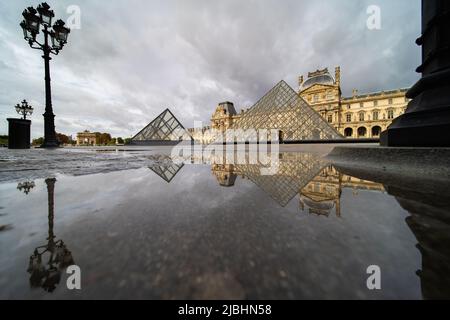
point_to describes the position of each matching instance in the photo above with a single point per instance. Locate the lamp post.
(24, 109)
(48, 261)
(55, 37)
(426, 122)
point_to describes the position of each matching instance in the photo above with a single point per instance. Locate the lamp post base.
(49, 145)
(19, 133)
(421, 129)
(50, 140)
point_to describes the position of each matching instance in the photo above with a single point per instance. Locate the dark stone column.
(426, 122)
(19, 133)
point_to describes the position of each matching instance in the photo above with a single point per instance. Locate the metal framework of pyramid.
(284, 110)
(164, 127)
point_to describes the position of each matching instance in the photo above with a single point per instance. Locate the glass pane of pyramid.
(164, 127)
(282, 109)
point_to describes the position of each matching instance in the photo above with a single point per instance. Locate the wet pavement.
(141, 225)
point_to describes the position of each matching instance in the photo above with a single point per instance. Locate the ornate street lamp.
(58, 34)
(24, 109)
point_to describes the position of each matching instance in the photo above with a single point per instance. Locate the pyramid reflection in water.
(294, 172)
(318, 184)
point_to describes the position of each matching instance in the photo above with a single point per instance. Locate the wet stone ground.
(139, 226)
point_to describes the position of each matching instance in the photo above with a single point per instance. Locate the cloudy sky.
(132, 58)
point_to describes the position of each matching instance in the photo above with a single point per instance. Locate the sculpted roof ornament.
(318, 73)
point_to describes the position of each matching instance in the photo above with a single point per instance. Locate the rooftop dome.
(319, 79)
(324, 205)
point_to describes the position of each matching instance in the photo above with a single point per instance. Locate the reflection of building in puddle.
(318, 184)
(225, 174)
(48, 261)
(322, 195)
(26, 186)
(294, 171)
(427, 200)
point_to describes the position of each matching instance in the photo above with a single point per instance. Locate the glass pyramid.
(164, 127)
(284, 110)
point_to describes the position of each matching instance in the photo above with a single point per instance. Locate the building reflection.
(294, 171)
(318, 184)
(49, 260)
(322, 195)
(429, 220)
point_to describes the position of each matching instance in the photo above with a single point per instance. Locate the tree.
(112, 142)
(3, 140)
(63, 139)
(120, 140)
(38, 141)
(103, 138)
(127, 141)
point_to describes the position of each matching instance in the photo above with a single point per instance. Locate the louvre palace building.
(316, 111)
(358, 116)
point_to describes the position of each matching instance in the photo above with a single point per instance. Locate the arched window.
(376, 131)
(362, 132)
(348, 132)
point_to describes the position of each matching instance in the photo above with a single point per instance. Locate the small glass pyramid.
(164, 127)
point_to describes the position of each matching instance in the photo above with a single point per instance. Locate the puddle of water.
(214, 230)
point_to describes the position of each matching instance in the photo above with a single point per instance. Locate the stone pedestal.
(426, 122)
(19, 133)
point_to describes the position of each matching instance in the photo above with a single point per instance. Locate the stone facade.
(224, 116)
(86, 138)
(358, 116)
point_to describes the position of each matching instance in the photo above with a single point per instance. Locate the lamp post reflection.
(25, 186)
(48, 261)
